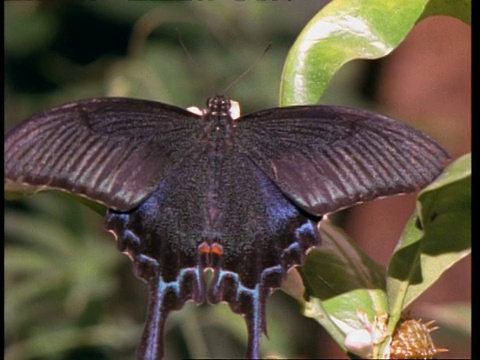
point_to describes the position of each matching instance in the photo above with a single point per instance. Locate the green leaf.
(340, 32)
(345, 30)
(435, 239)
(341, 281)
(460, 9)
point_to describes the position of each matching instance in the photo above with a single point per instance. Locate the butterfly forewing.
(325, 158)
(111, 150)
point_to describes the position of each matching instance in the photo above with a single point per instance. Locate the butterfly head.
(219, 105)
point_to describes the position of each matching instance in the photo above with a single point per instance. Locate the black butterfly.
(241, 196)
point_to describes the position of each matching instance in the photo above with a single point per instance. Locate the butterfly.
(240, 196)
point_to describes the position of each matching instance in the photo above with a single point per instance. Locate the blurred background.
(69, 293)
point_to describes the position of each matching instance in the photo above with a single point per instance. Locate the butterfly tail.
(256, 323)
(151, 345)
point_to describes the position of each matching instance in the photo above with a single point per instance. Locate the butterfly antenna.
(184, 47)
(248, 70)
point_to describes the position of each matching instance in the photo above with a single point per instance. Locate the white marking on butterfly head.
(195, 110)
(234, 110)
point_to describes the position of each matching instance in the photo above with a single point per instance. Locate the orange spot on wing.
(204, 248)
(217, 249)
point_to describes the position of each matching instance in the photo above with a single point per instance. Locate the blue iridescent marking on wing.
(152, 341)
(256, 318)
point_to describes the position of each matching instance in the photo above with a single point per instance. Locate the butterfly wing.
(111, 150)
(325, 158)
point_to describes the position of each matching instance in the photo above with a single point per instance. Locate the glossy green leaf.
(345, 30)
(460, 9)
(342, 280)
(435, 239)
(342, 31)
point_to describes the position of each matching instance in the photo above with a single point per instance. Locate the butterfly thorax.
(218, 129)
(218, 126)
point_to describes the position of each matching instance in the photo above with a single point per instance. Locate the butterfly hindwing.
(325, 158)
(111, 150)
(249, 234)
